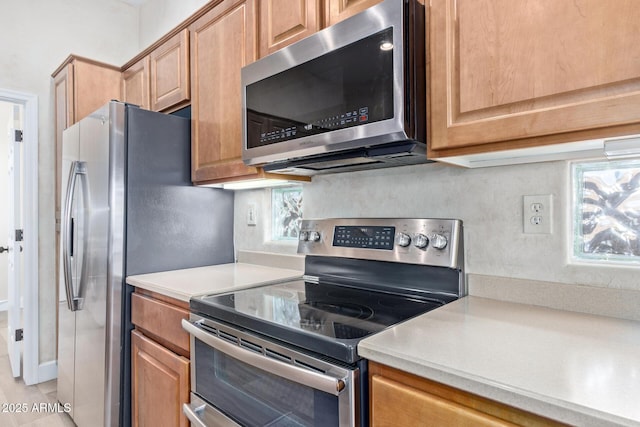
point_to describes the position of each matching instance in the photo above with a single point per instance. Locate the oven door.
(245, 379)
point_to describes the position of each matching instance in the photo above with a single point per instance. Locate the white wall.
(488, 200)
(158, 17)
(36, 37)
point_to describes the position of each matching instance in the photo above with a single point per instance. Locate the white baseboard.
(47, 371)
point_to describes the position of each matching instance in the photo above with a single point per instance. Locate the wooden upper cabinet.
(160, 80)
(511, 74)
(135, 84)
(338, 10)
(222, 42)
(170, 72)
(283, 22)
(80, 86)
(88, 85)
(63, 94)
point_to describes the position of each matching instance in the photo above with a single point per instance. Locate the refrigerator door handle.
(77, 168)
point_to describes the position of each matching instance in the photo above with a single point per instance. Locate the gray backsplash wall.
(488, 200)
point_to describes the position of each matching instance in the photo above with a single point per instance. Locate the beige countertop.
(582, 369)
(190, 282)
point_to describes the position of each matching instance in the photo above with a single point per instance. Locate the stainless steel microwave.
(349, 97)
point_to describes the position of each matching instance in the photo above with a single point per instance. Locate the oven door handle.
(201, 414)
(192, 415)
(290, 372)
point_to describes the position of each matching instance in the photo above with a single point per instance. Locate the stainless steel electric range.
(286, 354)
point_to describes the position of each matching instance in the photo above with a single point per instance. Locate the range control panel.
(372, 237)
(435, 242)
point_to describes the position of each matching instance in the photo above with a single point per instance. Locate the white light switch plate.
(252, 214)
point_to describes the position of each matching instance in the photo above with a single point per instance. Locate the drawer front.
(161, 321)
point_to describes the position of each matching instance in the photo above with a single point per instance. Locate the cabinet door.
(94, 85)
(135, 84)
(170, 72)
(393, 403)
(338, 10)
(222, 42)
(505, 71)
(283, 22)
(63, 104)
(400, 398)
(160, 384)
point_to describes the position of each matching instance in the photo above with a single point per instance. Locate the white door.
(22, 113)
(14, 247)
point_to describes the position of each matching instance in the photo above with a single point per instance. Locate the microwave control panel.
(276, 130)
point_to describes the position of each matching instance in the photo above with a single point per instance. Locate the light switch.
(252, 214)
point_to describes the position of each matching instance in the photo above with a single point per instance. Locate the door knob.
(3, 249)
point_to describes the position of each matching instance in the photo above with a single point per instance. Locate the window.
(606, 217)
(286, 213)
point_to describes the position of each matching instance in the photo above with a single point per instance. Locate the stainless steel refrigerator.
(128, 208)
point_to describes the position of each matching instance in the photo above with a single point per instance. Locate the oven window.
(255, 397)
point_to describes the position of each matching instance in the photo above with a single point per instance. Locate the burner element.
(349, 309)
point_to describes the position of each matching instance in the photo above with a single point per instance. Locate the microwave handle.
(293, 373)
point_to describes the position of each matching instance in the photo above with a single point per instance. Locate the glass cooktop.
(323, 318)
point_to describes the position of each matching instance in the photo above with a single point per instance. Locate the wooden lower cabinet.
(160, 382)
(160, 366)
(402, 399)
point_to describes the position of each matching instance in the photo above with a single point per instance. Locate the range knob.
(439, 241)
(404, 240)
(314, 236)
(304, 236)
(420, 241)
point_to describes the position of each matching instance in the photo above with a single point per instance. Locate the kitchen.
(489, 200)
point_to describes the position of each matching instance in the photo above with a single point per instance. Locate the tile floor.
(13, 392)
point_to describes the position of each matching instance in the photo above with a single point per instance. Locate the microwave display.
(347, 87)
